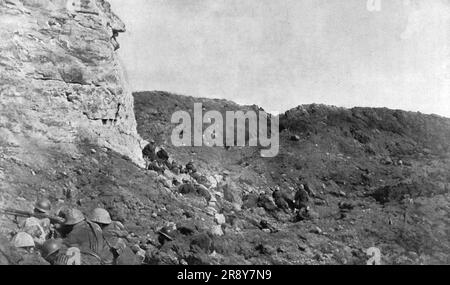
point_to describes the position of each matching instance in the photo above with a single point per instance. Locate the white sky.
(280, 54)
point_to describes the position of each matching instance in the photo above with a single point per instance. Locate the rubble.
(220, 219)
(217, 230)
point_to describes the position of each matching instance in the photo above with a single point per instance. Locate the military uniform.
(149, 155)
(187, 188)
(162, 155)
(59, 257)
(149, 152)
(88, 237)
(283, 200)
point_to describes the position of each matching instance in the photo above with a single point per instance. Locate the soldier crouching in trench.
(71, 239)
(114, 234)
(87, 236)
(100, 240)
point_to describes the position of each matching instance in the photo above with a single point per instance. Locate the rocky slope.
(68, 132)
(370, 159)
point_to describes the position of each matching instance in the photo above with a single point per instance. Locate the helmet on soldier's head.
(51, 246)
(22, 240)
(101, 216)
(43, 206)
(73, 217)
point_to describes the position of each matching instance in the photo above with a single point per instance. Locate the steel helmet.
(101, 216)
(51, 246)
(73, 217)
(23, 240)
(43, 206)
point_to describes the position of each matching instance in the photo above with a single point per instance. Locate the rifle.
(25, 214)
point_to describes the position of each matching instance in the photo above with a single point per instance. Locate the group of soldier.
(157, 159)
(70, 238)
(299, 203)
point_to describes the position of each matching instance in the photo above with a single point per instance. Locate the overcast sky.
(280, 54)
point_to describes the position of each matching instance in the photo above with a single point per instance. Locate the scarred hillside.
(380, 178)
(370, 158)
(348, 157)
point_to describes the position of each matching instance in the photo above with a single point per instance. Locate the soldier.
(165, 235)
(149, 153)
(345, 208)
(162, 155)
(187, 188)
(283, 200)
(301, 199)
(265, 201)
(264, 225)
(301, 204)
(24, 241)
(183, 169)
(43, 206)
(196, 176)
(174, 167)
(408, 203)
(114, 233)
(26, 249)
(190, 167)
(39, 227)
(52, 252)
(85, 235)
(304, 214)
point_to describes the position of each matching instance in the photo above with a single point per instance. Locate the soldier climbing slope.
(149, 153)
(301, 198)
